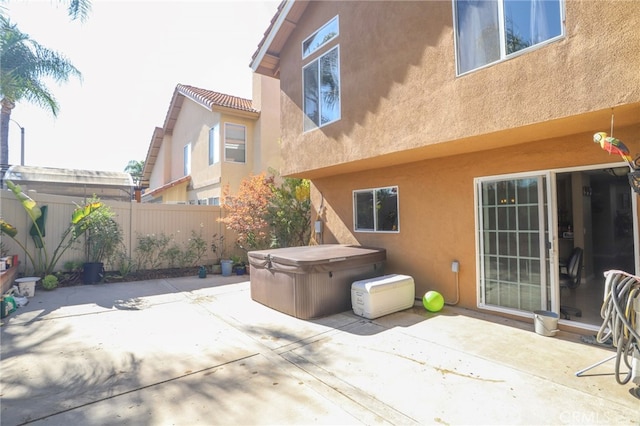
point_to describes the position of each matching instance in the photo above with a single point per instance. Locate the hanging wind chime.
(615, 146)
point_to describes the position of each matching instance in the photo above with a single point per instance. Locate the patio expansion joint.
(314, 338)
(356, 402)
(139, 388)
(353, 400)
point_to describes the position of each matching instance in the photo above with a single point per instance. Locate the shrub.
(50, 282)
(150, 251)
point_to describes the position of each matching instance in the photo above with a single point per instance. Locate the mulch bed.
(68, 279)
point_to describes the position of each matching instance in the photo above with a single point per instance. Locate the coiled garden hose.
(621, 321)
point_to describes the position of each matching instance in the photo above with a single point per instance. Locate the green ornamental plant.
(104, 236)
(50, 282)
(217, 247)
(42, 259)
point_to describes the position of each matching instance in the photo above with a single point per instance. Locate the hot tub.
(311, 281)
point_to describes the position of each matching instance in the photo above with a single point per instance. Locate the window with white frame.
(376, 210)
(321, 85)
(214, 145)
(489, 31)
(321, 78)
(324, 35)
(187, 159)
(235, 141)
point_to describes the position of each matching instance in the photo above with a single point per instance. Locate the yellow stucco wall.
(207, 181)
(266, 138)
(436, 205)
(175, 194)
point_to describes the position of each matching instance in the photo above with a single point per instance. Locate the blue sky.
(131, 55)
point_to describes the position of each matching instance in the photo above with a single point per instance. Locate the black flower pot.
(92, 272)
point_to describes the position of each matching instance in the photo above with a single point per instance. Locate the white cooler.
(375, 297)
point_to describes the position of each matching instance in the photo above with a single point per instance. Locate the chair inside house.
(570, 277)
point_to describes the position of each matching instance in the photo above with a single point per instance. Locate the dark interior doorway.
(594, 213)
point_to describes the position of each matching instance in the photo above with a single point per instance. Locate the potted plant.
(217, 247)
(238, 265)
(103, 238)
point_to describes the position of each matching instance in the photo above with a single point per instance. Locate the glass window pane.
(235, 143)
(529, 22)
(478, 34)
(311, 93)
(387, 209)
(321, 37)
(187, 159)
(489, 194)
(234, 152)
(363, 202)
(491, 267)
(491, 242)
(214, 145)
(329, 87)
(234, 132)
(491, 293)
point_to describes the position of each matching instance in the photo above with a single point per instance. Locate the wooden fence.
(136, 219)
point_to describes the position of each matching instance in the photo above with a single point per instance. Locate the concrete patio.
(188, 351)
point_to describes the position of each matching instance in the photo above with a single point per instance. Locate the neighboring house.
(463, 131)
(209, 140)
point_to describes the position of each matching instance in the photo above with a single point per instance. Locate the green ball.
(433, 301)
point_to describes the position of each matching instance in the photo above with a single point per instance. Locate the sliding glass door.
(513, 242)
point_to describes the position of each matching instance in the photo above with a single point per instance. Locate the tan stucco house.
(462, 131)
(209, 140)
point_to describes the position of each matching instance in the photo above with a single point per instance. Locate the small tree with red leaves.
(246, 211)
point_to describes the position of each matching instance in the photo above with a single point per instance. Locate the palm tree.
(135, 168)
(24, 64)
(30, 63)
(78, 9)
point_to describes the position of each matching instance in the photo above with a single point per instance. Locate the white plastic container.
(27, 286)
(376, 297)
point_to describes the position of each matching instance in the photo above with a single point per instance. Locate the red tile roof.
(210, 98)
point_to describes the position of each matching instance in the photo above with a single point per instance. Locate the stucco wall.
(266, 138)
(436, 211)
(234, 173)
(402, 101)
(192, 126)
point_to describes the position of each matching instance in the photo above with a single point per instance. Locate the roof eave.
(263, 51)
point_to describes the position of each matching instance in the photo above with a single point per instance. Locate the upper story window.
(321, 78)
(489, 31)
(376, 210)
(186, 159)
(235, 141)
(324, 35)
(214, 144)
(321, 85)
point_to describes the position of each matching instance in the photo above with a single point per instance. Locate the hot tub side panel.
(274, 289)
(323, 293)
